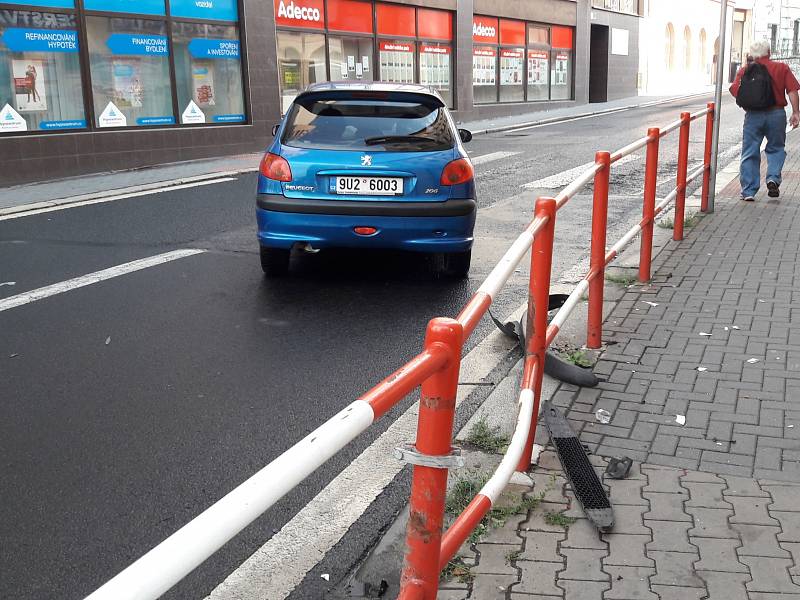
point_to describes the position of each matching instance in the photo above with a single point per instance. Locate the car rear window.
(346, 123)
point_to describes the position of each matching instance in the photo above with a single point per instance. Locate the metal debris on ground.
(602, 415)
(618, 468)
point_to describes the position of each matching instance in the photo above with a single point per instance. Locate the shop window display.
(350, 59)
(301, 62)
(561, 64)
(538, 63)
(397, 61)
(484, 74)
(435, 69)
(208, 73)
(40, 73)
(512, 76)
(129, 61)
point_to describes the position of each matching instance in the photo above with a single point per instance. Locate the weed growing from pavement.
(457, 569)
(577, 357)
(689, 221)
(512, 556)
(487, 438)
(622, 280)
(558, 519)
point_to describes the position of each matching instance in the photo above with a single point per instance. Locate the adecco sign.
(484, 30)
(300, 13)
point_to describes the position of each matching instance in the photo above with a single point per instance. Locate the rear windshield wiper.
(390, 139)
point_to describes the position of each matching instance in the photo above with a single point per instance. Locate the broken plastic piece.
(326, 576)
(702, 369)
(602, 415)
(618, 468)
(650, 303)
(680, 419)
(752, 361)
(704, 334)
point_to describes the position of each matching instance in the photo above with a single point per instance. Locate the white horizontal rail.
(183, 551)
(503, 269)
(573, 188)
(570, 304)
(629, 149)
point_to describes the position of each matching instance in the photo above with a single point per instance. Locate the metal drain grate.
(579, 471)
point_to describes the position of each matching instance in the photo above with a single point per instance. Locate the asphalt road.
(130, 405)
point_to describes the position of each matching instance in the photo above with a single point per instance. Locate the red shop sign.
(434, 24)
(398, 20)
(300, 13)
(484, 30)
(395, 47)
(562, 56)
(537, 54)
(484, 52)
(561, 37)
(350, 15)
(425, 49)
(512, 32)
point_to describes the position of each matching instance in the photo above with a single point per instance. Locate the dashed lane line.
(487, 158)
(96, 277)
(559, 180)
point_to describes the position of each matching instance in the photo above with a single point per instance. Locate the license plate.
(369, 186)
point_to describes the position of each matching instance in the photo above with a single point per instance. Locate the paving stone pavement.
(711, 509)
(719, 539)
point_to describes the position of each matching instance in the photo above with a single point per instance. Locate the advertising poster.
(511, 67)
(483, 66)
(128, 89)
(29, 85)
(397, 62)
(561, 69)
(203, 83)
(434, 65)
(537, 67)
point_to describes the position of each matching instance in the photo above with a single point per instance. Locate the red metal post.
(649, 206)
(597, 259)
(429, 484)
(538, 301)
(707, 157)
(683, 165)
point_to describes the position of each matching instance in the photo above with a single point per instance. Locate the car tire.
(274, 261)
(453, 264)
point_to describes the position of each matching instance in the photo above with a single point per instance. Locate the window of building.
(40, 73)
(350, 58)
(208, 73)
(538, 63)
(669, 47)
(512, 61)
(562, 57)
(687, 48)
(129, 62)
(435, 68)
(397, 61)
(702, 56)
(485, 30)
(301, 62)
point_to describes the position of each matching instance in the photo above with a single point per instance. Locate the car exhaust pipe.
(307, 248)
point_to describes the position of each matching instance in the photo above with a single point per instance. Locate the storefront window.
(561, 70)
(435, 69)
(397, 61)
(512, 82)
(40, 74)
(538, 63)
(484, 74)
(301, 62)
(129, 61)
(139, 7)
(208, 73)
(350, 59)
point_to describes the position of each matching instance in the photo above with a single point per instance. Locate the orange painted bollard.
(538, 302)
(431, 457)
(597, 259)
(707, 157)
(649, 205)
(683, 165)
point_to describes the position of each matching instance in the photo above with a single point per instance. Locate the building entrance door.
(598, 64)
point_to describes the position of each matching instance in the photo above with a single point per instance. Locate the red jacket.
(783, 80)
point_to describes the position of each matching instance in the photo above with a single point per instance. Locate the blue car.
(372, 165)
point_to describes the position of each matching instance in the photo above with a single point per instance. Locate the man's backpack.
(755, 89)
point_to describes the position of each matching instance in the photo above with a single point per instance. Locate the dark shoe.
(774, 189)
(748, 198)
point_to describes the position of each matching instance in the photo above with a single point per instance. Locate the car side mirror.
(465, 135)
(275, 129)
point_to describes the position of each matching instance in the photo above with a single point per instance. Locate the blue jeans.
(758, 125)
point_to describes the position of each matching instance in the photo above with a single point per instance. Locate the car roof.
(377, 86)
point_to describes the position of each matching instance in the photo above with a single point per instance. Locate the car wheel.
(274, 261)
(453, 264)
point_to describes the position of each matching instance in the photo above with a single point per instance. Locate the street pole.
(723, 22)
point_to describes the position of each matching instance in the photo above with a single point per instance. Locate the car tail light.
(275, 167)
(364, 230)
(457, 171)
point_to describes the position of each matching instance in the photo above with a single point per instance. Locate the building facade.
(100, 85)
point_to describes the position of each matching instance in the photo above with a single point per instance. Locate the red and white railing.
(435, 370)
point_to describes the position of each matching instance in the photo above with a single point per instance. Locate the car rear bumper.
(405, 226)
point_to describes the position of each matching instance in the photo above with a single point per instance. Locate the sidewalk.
(711, 508)
(88, 187)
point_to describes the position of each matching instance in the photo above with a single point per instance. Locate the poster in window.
(397, 62)
(537, 67)
(128, 89)
(561, 69)
(203, 83)
(511, 67)
(434, 65)
(483, 72)
(29, 85)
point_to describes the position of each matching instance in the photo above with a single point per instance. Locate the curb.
(605, 111)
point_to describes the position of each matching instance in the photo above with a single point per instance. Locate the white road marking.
(19, 212)
(276, 568)
(559, 180)
(96, 277)
(486, 158)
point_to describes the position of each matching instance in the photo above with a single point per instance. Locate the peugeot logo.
(366, 160)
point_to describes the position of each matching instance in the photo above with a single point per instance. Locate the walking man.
(761, 88)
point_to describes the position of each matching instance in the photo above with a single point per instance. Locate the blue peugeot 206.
(367, 166)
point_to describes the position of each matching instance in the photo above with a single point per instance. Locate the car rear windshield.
(374, 124)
